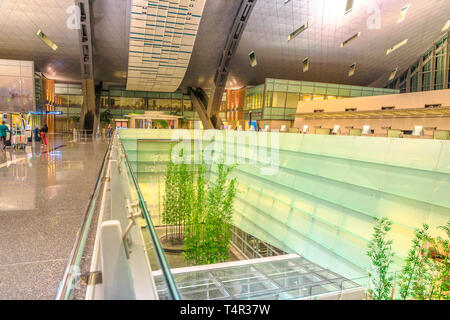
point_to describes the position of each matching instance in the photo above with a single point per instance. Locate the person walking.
(3, 129)
(44, 131)
(109, 130)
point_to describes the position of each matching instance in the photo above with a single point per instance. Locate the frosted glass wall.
(321, 202)
(16, 86)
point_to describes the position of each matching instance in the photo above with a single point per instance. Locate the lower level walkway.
(43, 196)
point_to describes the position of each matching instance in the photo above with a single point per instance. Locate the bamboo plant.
(201, 212)
(425, 274)
(415, 271)
(381, 255)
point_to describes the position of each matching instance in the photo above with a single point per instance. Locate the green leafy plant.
(106, 116)
(415, 274)
(381, 255)
(177, 201)
(439, 282)
(200, 210)
(75, 118)
(162, 124)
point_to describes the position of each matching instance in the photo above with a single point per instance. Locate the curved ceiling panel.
(162, 36)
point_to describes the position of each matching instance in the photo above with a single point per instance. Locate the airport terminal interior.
(224, 150)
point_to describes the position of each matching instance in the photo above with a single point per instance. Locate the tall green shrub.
(381, 256)
(178, 198)
(415, 273)
(440, 282)
(208, 235)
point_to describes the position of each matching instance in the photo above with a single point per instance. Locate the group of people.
(4, 130)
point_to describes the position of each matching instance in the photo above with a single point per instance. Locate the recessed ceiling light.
(350, 39)
(351, 72)
(403, 13)
(398, 45)
(46, 40)
(286, 1)
(393, 74)
(349, 6)
(447, 25)
(298, 31)
(252, 57)
(306, 64)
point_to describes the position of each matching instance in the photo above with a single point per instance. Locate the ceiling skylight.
(252, 57)
(393, 74)
(398, 45)
(298, 31)
(350, 39)
(446, 26)
(306, 64)
(46, 40)
(349, 6)
(403, 13)
(352, 70)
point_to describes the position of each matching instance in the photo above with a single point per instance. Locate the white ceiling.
(272, 21)
(19, 21)
(266, 33)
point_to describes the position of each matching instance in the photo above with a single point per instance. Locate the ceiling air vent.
(393, 74)
(351, 72)
(387, 108)
(46, 40)
(350, 39)
(403, 13)
(319, 110)
(350, 110)
(298, 31)
(252, 57)
(349, 6)
(398, 45)
(306, 65)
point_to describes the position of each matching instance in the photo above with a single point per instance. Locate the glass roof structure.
(286, 277)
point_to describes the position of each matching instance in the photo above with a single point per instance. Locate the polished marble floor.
(43, 196)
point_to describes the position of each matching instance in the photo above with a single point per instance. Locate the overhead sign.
(51, 113)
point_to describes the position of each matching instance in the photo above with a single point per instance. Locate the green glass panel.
(332, 92)
(321, 201)
(306, 89)
(344, 92)
(320, 90)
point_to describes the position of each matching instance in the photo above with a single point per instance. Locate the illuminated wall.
(321, 202)
(16, 86)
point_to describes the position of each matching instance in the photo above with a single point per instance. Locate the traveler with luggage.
(3, 130)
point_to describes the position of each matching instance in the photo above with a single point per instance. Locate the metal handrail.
(160, 255)
(64, 291)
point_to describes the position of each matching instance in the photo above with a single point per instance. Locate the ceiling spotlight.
(252, 57)
(403, 13)
(350, 39)
(393, 74)
(298, 31)
(446, 26)
(306, 64)
(46, 40)
(286, 1)
(351, 72)
(398, 45)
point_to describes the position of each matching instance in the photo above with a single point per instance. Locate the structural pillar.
(90, 113)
